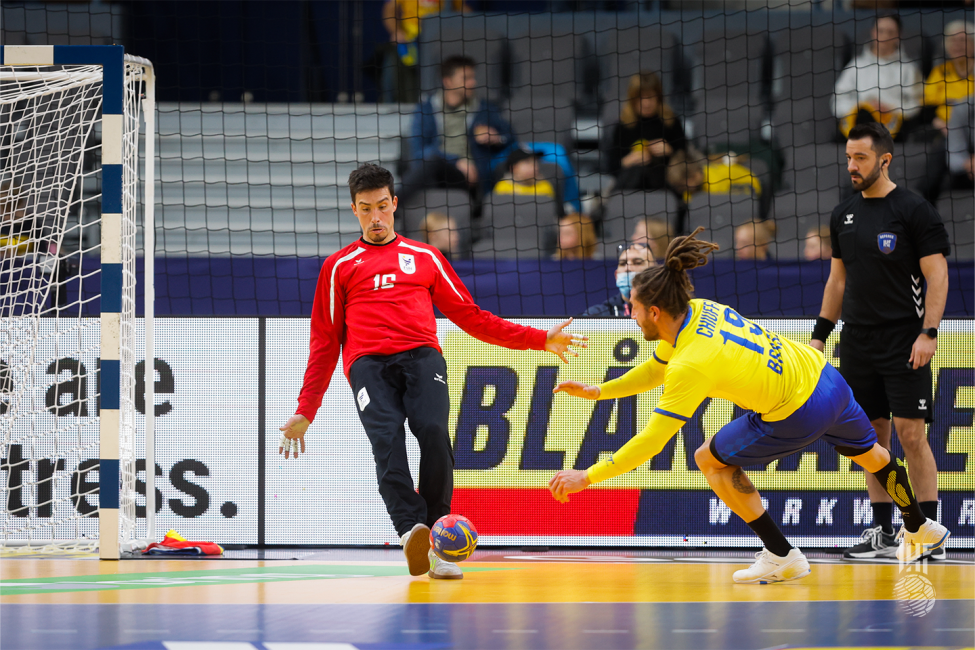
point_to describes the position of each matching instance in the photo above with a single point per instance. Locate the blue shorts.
(830, 413)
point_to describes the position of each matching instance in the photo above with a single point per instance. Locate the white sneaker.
(415, 545)
(443, 570)
(772, 568)
(929, 537)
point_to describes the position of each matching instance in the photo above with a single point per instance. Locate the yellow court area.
(548, 579)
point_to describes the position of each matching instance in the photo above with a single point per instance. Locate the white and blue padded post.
(112, 60)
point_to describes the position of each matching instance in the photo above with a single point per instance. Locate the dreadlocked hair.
(668, 286)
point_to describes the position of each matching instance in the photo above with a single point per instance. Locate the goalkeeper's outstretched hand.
(294, 431)
(558, 342)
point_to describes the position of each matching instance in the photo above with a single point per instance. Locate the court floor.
(509, 599)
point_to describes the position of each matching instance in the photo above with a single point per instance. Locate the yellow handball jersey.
(718, 353)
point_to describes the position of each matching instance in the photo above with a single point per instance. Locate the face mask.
(624, 282)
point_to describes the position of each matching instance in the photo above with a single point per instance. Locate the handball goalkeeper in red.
(374, 302)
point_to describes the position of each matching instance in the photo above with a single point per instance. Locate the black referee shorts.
(874, 362)
(389, 390)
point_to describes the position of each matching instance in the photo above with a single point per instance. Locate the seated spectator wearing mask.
(879, 85)
(645, 138)
(577, 238)
(752, 240)
(817, 245)
(632, 260)
(953, 81)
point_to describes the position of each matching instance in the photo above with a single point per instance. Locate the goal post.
(68, 238)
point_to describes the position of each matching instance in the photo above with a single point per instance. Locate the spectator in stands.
(818, 245)
(752, 240)
(961, 144)
(655, 233)
(454, 136)
(726, 174)
(400, 59)
(690, 172)
(954, 80)
(15, 227)
(523, 177)
(646, 137)
(577, 238)
(632, 260)
(878, 85)
(685, 172)
(441, 232)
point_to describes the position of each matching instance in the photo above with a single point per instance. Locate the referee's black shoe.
(874, 543)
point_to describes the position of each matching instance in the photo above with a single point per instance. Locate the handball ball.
(453, 538)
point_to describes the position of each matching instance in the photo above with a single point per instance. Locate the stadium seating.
(522, 227)
(627, 50)
(270, 179)
(806, 63)
(730, 100)
(719, 214)
(622, 210)
(957, 210)
(480, 37)
(551, 63)
(453, 203)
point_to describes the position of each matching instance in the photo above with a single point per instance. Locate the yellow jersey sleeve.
(685, 389)
(646, 376)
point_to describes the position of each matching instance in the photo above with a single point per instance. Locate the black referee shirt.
(881, 242)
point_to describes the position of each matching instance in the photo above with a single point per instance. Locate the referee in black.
(887, 243)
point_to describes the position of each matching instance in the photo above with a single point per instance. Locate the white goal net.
(69, 197)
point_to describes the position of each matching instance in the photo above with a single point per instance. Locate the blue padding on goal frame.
(111, 189)
(112, 60)
(111, 375)
(111, 288)
(108, 483)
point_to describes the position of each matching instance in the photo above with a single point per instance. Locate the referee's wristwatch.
(931, 332)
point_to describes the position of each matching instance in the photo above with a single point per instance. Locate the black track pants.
(389, 390)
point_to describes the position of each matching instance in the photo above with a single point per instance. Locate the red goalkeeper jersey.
(379, 298)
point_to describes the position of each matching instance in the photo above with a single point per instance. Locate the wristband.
(823, 328)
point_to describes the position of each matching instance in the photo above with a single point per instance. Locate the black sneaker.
(874, 542)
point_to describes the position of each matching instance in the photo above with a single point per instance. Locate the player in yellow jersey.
(707, 349)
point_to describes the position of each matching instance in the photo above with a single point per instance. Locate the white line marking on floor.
(207, 645)
(867, 629)
(954, 629)
(693, 631)
(783, 630)
(423, 631)
(145, 631)
(288, 645)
